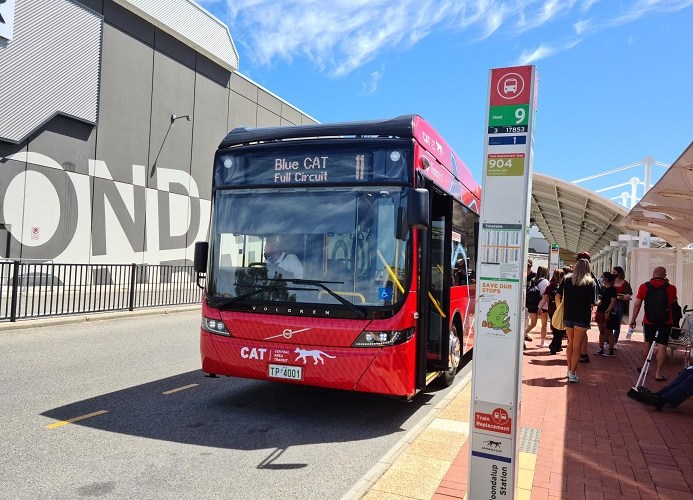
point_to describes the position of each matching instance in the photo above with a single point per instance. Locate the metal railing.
(31, 290)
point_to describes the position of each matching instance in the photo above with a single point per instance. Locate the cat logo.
(492, 446)
(315, 355)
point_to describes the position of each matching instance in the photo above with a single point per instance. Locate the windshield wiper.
(321, 284)
(222, 303)
(228, 301)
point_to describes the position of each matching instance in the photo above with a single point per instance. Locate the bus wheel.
(454, 354)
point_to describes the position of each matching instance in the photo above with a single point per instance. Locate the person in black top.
(607, 304)
(579, 292)
(530, 276)
(556, 344)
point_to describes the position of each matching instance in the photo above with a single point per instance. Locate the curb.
(369, 479)
(79, 318)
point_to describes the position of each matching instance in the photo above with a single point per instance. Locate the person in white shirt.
(285, 263)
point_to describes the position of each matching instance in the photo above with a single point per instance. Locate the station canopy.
(666, 209)
(572, 217)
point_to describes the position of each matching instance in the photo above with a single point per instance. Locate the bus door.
(435, 284)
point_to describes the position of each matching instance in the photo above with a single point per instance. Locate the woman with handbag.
(606, 315)
(579, 293)
(556, 344)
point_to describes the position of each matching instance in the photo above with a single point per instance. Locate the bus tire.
(454, 356)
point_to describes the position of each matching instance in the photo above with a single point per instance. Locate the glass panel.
(268, 243)
(436, 338)
(463, 245)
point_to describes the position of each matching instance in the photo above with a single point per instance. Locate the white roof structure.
(191, 24)
(573, 217)
(666, 209)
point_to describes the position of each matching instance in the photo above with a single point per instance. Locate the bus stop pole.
(501, 280)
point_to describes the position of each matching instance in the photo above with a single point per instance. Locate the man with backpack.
(659, 297)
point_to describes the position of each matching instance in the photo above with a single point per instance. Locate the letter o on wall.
(67, 218)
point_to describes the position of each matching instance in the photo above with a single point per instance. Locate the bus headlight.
(215, 326)
(383, 338)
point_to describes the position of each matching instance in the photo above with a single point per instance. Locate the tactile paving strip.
(529, 440)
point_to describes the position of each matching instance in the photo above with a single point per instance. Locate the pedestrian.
(556, 344)
(624, 292)
(578, 291)
(660, 298)
(529, 276)
(605, 308)
(533, 298)
(673, 394)
(543, 307)
(584, 357)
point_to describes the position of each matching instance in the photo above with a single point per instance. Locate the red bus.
(340, 255)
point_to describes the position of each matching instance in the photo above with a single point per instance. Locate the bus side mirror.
(201, 251)
(417, 208)
(200, 260)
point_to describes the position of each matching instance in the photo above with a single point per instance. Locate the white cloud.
(550, 10)
(339, 36)
(370, 86)
(635, 11)
(544, 51)
(582, 26)
(587, 5)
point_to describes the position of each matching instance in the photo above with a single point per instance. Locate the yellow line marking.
(430, 376)
(525, 480)
(76, 419)
(180, 388)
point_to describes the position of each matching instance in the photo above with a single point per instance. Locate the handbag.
(612, 320)
(557, 318)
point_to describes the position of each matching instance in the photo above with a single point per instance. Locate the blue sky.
(615, 76)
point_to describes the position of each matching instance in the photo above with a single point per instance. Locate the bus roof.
(404, 126)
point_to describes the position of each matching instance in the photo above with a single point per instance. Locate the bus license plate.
(286, 372)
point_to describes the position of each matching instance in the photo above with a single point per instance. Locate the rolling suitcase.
(638, 388)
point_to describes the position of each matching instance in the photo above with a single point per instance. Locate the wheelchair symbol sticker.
(385, 293)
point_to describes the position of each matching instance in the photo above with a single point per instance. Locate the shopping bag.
(612, 321)
(557, 318)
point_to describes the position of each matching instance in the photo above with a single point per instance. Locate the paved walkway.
(585, 440)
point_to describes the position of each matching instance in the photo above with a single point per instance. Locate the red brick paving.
(596, 442)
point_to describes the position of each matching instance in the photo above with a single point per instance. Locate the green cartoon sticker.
(497, 317)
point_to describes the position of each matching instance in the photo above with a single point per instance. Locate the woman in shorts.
(578, 291)
(606, 306)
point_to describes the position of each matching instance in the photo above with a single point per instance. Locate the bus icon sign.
(510, 86)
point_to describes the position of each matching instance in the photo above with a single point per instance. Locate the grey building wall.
(136, 186)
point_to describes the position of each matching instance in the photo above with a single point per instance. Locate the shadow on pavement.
(242, 414)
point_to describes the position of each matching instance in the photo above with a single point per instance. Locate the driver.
(286, 263)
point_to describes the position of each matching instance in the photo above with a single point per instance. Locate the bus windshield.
(326, 246)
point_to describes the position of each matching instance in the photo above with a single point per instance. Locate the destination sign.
(280, 167)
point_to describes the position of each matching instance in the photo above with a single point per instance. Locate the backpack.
(657, 304)
(533, 296)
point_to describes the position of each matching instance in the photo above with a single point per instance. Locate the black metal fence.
(32, 290)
